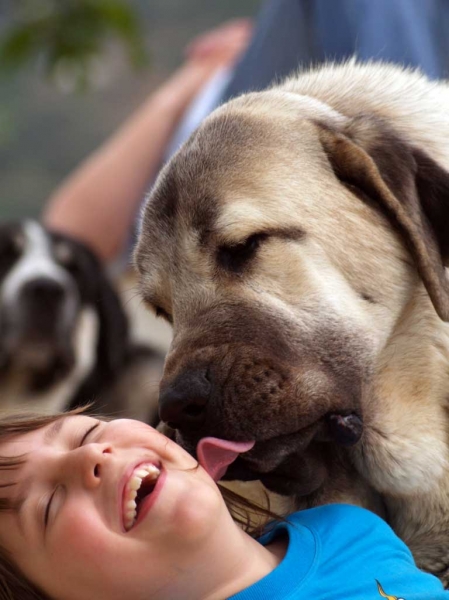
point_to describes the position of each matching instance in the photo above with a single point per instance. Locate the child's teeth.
(141, 473)
(130, 494)
(135, 482)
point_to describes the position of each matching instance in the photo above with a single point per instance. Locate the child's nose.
(88, 463)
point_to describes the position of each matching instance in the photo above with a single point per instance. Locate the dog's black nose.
(183, 404)
(43, 290)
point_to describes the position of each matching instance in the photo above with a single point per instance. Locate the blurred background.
(53, 114)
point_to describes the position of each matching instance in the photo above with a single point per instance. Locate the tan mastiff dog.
(297, 243)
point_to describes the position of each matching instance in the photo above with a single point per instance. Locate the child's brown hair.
(13, 583)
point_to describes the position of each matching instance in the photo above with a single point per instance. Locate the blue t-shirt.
(342, 552)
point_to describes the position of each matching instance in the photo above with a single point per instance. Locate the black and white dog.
(64, 336)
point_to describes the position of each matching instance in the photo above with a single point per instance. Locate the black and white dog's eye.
(236, 257)
(63, 254)
(66, 258)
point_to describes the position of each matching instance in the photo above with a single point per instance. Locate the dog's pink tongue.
(216, 455)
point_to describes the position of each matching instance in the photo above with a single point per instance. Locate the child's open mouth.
(139, 486)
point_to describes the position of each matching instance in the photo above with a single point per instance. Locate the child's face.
(78, 484)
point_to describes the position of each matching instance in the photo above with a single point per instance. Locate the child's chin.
(196, 511)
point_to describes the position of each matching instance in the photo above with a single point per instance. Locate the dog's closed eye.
(163, 314)
(159, 311)
(236, 257)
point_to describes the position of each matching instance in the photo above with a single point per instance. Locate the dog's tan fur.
(345, 171)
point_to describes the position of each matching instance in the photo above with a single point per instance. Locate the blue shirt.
(342, 552)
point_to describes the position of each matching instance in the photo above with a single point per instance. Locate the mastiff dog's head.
(283, 242)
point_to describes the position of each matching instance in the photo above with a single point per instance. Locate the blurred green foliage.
(46, 130)
(68, 35)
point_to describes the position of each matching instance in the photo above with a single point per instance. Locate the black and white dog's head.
(62, 328)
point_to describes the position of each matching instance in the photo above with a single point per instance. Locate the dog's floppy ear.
(410, 187)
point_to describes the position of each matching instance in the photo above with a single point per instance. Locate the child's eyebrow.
(53, 430)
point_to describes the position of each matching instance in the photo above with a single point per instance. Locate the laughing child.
(113, 510)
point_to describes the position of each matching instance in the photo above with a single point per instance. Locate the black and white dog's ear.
(97, 290)
(113, 335)
(113, 331)
(409, 186)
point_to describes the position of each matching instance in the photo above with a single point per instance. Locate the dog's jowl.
(298, 242)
